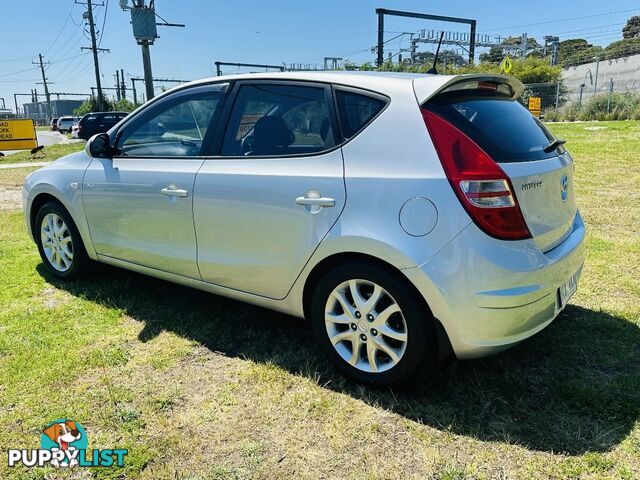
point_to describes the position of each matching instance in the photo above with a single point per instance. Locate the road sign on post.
(18, 135)
(534, 106)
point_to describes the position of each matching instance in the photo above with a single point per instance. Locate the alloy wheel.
(366, 326)
(56, 242)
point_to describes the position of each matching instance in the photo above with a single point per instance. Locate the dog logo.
(66, 436)
(64, 443)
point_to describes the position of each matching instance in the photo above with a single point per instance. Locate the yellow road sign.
(534, 106)
(17, 135)
(506, 65)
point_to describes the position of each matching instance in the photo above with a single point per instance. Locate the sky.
(259, 31)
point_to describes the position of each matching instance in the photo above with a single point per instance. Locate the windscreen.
(502, 127)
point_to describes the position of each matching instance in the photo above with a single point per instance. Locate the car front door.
(139, 205)
(272, 191)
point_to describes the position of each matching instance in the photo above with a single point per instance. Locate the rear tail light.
(480, 184)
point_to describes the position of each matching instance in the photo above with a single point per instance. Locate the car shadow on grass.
(574, 387)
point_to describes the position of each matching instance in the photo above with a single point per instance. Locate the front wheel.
(371, 326)
(59, 242)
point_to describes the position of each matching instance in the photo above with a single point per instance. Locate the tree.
(125, 105)
(449, 57)
(622, 48)
(496, 54)
(577, 50)
(632, 28)
(527, 70)
(91, 105)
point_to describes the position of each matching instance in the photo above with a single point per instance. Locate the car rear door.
(272, 190)
(139, 205)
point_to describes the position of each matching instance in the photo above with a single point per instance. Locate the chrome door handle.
(174, 192)
(319, 201)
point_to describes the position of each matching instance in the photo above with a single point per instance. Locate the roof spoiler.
(432, 85)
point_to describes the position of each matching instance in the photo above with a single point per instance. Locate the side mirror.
(99, 146)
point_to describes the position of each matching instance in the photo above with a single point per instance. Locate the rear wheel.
(59, 242)
(370, 325)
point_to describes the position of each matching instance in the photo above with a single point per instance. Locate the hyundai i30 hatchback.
(407, 217)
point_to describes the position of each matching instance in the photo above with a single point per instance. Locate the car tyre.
(359, 335)
(59, 242)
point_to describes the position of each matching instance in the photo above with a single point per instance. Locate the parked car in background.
(65, 124)
(74, 130)
(98, 122)
(54, 124)
(409, 217)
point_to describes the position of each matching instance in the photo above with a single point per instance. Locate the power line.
(67, 59)
(61, 29)
(591, 28)
(94, 49)
(560, 20)
(71, 37)
(78, 71)
(104, 20)
(21, 59)
(16, 73)
(71, 66)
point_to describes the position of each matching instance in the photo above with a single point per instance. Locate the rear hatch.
(485, 109)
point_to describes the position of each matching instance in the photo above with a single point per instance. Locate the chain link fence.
(608, 101)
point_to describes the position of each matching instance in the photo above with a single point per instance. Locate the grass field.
(198, 386)
(48, 154)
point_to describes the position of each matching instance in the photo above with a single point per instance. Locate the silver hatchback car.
(408, 217)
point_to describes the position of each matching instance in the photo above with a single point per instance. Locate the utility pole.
(524, 45)
(146, 65)
(118, 93)
(88, 15)
(46, 87)
(553, 42)
(143, 21)
(123, 87)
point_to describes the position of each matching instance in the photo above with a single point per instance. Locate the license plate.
(568, 288)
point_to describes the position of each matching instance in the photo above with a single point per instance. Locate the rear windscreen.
(502, 127)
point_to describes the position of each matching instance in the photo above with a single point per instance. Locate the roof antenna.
(435, 59)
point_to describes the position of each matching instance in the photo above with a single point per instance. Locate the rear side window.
(356, 110)
(502, 127)
(269, 119)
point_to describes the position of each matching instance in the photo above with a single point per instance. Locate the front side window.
(175, 128)
(279, 120)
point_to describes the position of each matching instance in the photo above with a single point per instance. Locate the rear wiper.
(553, 145)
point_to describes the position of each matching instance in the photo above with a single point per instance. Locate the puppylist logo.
(64, 443)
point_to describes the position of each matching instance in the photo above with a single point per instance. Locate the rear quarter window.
(356, 110)
(502, 127)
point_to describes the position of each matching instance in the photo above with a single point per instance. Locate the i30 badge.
(564, 187)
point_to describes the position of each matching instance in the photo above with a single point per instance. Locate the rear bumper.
(490, 294)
